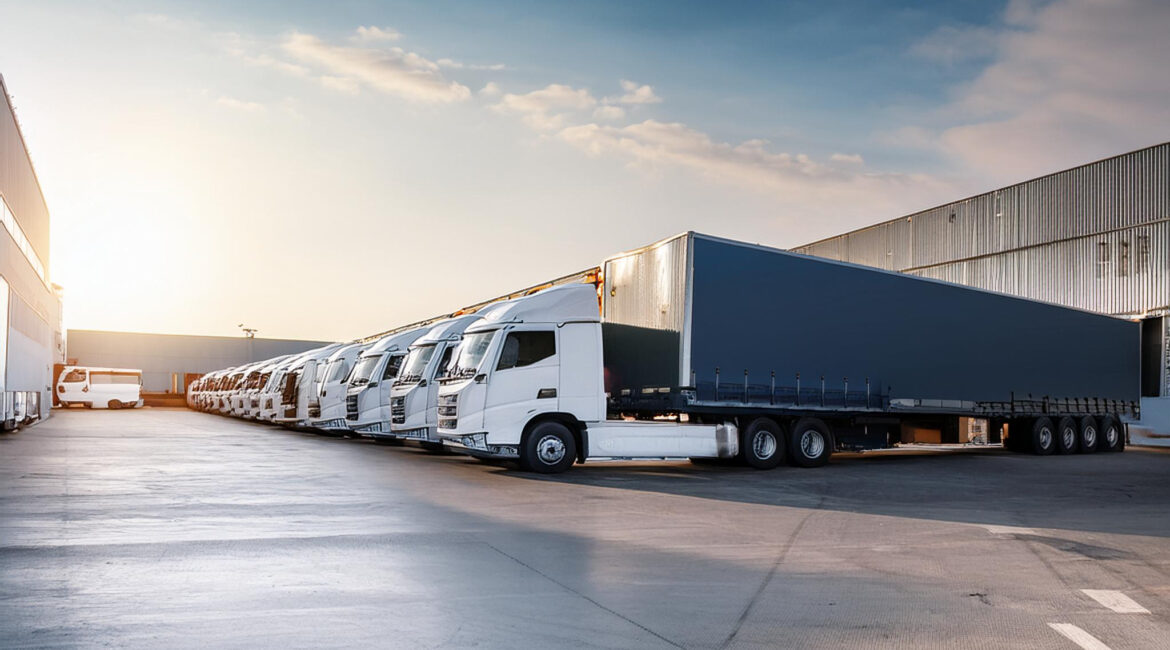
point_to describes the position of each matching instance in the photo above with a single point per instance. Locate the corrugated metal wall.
(1096, 237)
(647, 287)
(18, 182)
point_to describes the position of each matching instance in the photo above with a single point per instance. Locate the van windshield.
(416, 363)
(471, 352)
(364, 370)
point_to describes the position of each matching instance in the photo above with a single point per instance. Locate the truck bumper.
(475, 444)
(422, 434)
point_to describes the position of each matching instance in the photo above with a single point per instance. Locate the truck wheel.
(1066, 436)
(433, 447)
(762, 444)
(1111, 435)
(114, 404)
(1088, 439)
(388, 441)
(548, 448)
(810, 443)
(1043, 436)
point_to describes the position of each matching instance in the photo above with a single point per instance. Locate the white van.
(101, 388)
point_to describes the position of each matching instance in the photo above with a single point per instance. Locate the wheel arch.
(576, 427)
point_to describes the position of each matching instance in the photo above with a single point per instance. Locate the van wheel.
(762, 444)
(1043, 436)
(1089, 437)
(1066, 436)
(549, 448)
(810, 443)
(1110, 434)
(114, 405)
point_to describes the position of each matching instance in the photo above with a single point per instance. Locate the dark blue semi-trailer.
(707, 329)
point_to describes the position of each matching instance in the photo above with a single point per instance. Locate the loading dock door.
(1152, 366)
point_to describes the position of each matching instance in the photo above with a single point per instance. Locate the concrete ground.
(169, 528)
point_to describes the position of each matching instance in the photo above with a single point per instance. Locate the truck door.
(74, 386)
(440, 369)
(524, 380)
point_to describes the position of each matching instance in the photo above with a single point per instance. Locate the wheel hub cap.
(550, 450)
(764, 444)
(1045, 438)
(812, 443)
(1090, 436)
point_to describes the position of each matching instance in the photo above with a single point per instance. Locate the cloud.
(456, 65)
(952, 44)
(796, 178)
(635, 94)
(490, 89)
(848, 158)
(240, 105)
(609, 112)
(253, 53)
(393, 71)
(546, 109)
(373, 33)
(1070, 80)
(341, 84)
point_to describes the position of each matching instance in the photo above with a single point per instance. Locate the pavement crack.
(747, 610)
(578, 593)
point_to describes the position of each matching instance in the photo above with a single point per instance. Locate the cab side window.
(392, 367)
(526, 348)
(74, 376)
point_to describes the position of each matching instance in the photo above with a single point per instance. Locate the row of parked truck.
(706, 348)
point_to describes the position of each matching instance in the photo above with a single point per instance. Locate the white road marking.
(1079, 636)
(1116, 601)
(1009, 530)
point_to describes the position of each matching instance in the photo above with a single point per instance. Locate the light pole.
(250, 334)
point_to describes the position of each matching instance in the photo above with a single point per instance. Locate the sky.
(330, 170)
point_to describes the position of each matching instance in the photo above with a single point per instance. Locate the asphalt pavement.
(170, 528)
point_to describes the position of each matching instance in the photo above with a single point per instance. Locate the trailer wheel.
(762, 444)
(548, 448)
(811, 443)
(1089, 438)
(1111, 436)
(1043, 436)
(1066, 436)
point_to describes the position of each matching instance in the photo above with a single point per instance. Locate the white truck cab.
(367, 402)
(101, 388)
(251, 408)
(528, 384)
(298, 392)
(329, 412)
(414, 396)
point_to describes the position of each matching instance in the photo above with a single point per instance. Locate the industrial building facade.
(30, 308)
(1095, 237)
(169, 362)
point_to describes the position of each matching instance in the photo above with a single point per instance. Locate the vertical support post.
(798, 389)
(773, 398)
(716, 383)
(867, 392)
(745, 386)
(822, 390)
(845, 397)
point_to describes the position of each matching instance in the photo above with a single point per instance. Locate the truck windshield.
(471, 352)
(364, 370)
(416, 362)
(337, 370)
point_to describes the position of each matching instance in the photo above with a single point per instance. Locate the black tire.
(1066, 435)
(1043, 436)
(388, 441)
(1110, 434)
(113, 405)
(761, 444)
(433, 447)
(548, 448)
(1089, 436)
(810, 443)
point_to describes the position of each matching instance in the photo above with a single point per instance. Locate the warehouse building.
(170, 362)
(30, 305)
(1094, 237)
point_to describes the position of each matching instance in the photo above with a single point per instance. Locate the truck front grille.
(398, 410)
(351, 407)
(448, 411)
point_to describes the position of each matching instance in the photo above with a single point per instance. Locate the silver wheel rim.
(1111, 436)
(1045, 438)
(763, 445)
(550, 450)
(1090, 436)
(1069, 437)
(812, 443)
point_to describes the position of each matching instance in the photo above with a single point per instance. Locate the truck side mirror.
(479, 378)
